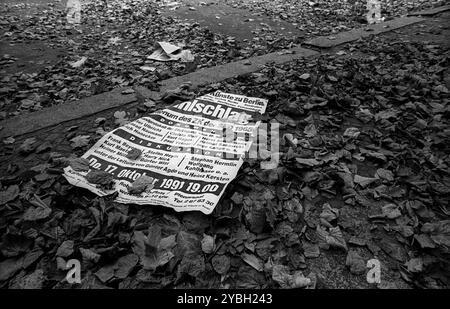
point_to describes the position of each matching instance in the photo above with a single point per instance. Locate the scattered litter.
(78, 63)
(194, 175)
(169, 52)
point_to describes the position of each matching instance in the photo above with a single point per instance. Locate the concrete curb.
(431, 12)
(233, 69)
(355, 34)
(54, 115)
(57, 114)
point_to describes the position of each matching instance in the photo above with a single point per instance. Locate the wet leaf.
(141, 184)
(80, 141)
(253, 261)
(28, 146)
(364, 181)
(352, 132)
(79, 164)
(134, 154)
(391, 211)
(101, 178)
(221, 264)
(65, 249)
(286, 280)
(332, 238)
(89, 255)
(10, 194)
(415, 265)
(14, 245)
(207, 244)
(356, 263)
(37, 213)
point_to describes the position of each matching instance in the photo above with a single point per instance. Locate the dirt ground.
(391, 88)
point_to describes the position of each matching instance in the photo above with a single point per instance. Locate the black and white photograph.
(222, 152)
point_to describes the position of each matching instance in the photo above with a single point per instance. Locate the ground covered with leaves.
(42, 55)
(364, 173)
(322, 17)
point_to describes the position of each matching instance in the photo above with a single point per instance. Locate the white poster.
(183, 149)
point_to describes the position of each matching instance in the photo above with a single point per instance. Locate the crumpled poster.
(183, 150)
(170, 52)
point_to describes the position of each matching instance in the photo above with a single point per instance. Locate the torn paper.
(170, 52)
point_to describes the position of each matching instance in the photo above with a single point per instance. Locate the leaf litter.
(359, 182)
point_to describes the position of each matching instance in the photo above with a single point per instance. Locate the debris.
(37, 213)
(101, 178)
(80, 141)
(66, 249)
(142, 184)
(221, 264)
(331, 238)
(362, 159)
(253, 261)
(121, 117)
(28, 146)
(286, 280)
(9, 140)
(169, 52)
(79, 164)
(79, 63)
(208, 244)
(356, 263)
(352, 132)
(364, 181)
(134, 154)
(10, 194)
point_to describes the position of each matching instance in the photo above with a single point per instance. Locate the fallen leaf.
(101, 178)
(308, 162)
(10, 194)
(141, 184)
(79, 164)
(391, 211)
(286, 280)
(36, 213)
(356, 263)
(28, 146)
(221, 264)
(253, 261)
(80, 141)
(78, 63)
(331, 238)
(89, 255)
(65, 249)
(134, 154)
(208, 244)
(364, 181)
(384, 174)
(415, 265)
(352, 132)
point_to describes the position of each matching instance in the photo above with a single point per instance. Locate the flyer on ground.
(191, 150)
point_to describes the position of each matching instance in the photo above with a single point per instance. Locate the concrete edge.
(54, 115)
(355, 34)
(233, 69)
(431, 12)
